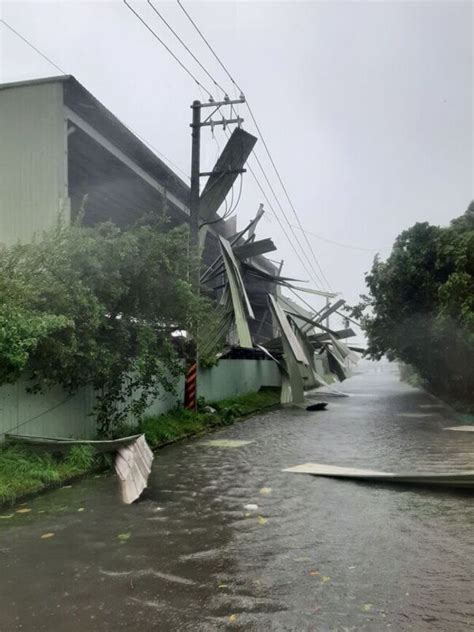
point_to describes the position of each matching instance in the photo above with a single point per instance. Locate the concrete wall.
(33, 179)
(56, 414)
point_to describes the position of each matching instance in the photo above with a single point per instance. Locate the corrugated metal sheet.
(49, 415)
(55, 414)
(32, 160)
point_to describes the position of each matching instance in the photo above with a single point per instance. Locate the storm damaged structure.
(64, 153)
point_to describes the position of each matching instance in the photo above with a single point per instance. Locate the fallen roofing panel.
(330, 309)
(225, 172)
(132, 462)
(455, 478)
(254, 248)
(133, 466)
(240, 301)
(287, 331)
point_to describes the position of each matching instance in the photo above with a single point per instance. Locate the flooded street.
(315, 554)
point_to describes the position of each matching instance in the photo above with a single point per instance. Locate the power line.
(278, 219)
(287, 196)
(262, 190)
(210, 47)
(315, 275)
(186, 47)
(340, 244)
(158, 38)
(50, 61)
(262, 138)
(312, 274)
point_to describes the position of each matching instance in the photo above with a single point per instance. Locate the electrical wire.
(50, 61)
(342, 245)
(287, 196)
(270, 205)
(158, 38)
(313, 274)
(238, 196)
(272, 210)
(262, 138)
(210, 47)
(187, 48)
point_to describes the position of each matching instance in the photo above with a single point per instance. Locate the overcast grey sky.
(367, 107)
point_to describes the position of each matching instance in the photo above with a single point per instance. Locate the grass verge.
(25, 471)
(178, 424)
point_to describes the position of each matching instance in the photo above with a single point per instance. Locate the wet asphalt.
(314, 554)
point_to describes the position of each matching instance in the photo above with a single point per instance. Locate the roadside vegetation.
(420, 307)
(180, 423)
(104, 307)
(25, 471)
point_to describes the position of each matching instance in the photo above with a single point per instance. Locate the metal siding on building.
(231, 378)
(52, 414)
(57, 414)
(33, 189)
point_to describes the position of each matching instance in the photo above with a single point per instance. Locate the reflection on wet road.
(224, 539)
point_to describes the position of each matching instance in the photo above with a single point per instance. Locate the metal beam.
(115, 151)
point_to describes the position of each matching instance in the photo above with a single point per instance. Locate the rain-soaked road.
(317, 554)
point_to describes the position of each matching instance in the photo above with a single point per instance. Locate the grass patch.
(180, 423)
(25, 471)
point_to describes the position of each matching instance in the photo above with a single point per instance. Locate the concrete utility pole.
(195, 169)
(190, 388)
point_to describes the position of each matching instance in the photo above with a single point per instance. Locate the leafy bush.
(99, 306)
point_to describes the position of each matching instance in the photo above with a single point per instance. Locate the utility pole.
(195, 169)
(190, 388)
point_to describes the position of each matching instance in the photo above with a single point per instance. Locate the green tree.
(420, 306)
(99, 306)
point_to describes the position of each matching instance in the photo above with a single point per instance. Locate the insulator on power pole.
(242, 96)
(211, 99)
(226, 97)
